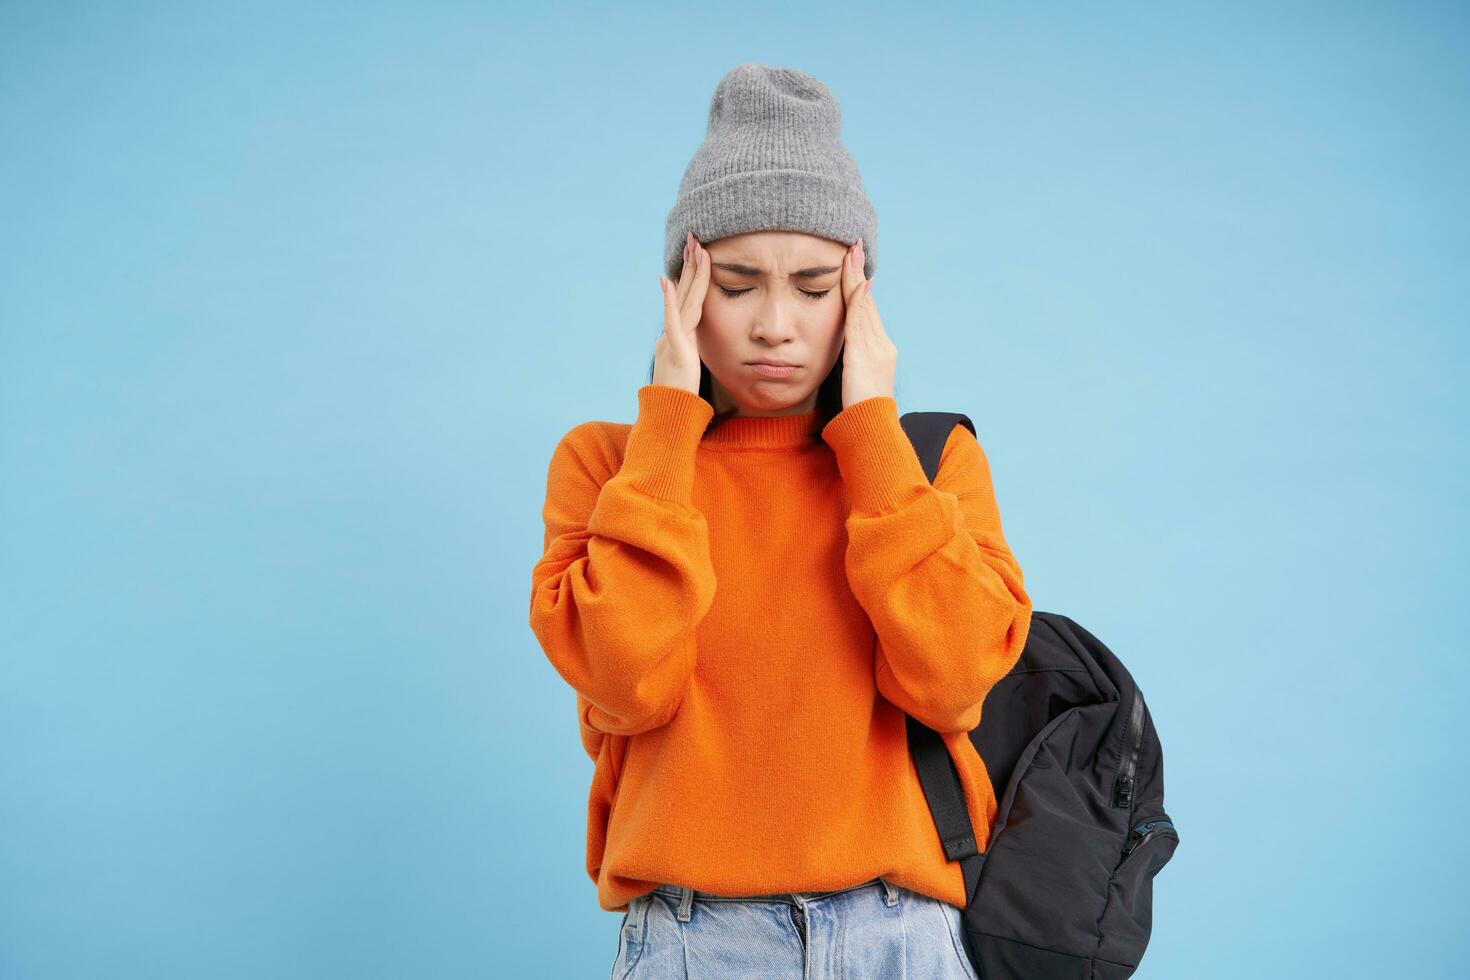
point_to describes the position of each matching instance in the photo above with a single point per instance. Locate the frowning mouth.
(773, 369)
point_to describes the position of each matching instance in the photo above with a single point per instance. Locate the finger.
(686, 274)
(863, 326)
(872, 323)
(693, 305)
(852, 272)
(671, 304)
(856, 324)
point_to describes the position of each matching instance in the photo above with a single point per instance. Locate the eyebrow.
(750, 270)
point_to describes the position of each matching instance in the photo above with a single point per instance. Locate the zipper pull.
(1123, 791)
(1142, 832)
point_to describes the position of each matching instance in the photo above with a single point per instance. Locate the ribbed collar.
(762, 432)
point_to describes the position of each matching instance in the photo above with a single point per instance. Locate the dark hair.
(829, 397)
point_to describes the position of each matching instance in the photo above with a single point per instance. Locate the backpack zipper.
(1146, 830)
(1123, 788)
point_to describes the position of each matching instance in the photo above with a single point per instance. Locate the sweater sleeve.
(626, 575)
(930, 566)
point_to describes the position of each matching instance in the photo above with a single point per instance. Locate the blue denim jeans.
(875, 929)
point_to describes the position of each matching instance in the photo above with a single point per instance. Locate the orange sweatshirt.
(745, 617)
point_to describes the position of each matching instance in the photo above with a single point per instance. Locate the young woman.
(751, 585)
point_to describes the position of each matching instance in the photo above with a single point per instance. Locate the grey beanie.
(772, 158)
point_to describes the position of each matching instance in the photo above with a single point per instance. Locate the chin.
(770, 401)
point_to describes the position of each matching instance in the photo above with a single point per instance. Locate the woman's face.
(787, 306)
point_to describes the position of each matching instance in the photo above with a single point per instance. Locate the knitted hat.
(772, 158)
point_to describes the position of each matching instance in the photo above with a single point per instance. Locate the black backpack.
(1064, 888)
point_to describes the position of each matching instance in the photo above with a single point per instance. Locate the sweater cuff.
(878, 463)
(659, 457)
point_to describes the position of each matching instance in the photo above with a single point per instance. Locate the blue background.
(296, 300)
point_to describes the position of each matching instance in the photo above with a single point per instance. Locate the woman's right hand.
(676, 354)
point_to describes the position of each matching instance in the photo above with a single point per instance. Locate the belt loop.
(890, 893)
(686, 903)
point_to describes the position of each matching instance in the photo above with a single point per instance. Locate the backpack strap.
(929, 431)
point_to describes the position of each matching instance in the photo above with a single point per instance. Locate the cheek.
(834, 331)
(714, 333)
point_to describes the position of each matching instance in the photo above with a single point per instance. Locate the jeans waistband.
(791, 898)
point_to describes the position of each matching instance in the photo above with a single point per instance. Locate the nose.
(775, 319)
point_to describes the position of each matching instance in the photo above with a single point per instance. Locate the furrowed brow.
(750, 270)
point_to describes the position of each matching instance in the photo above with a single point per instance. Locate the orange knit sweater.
(745, 616)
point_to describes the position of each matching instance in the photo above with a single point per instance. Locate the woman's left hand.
(869, 358)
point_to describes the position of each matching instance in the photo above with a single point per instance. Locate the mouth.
(772, 362)
(773, 369)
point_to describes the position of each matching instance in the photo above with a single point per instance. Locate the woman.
(750, 585)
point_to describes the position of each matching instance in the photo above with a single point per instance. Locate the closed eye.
(734, 293)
